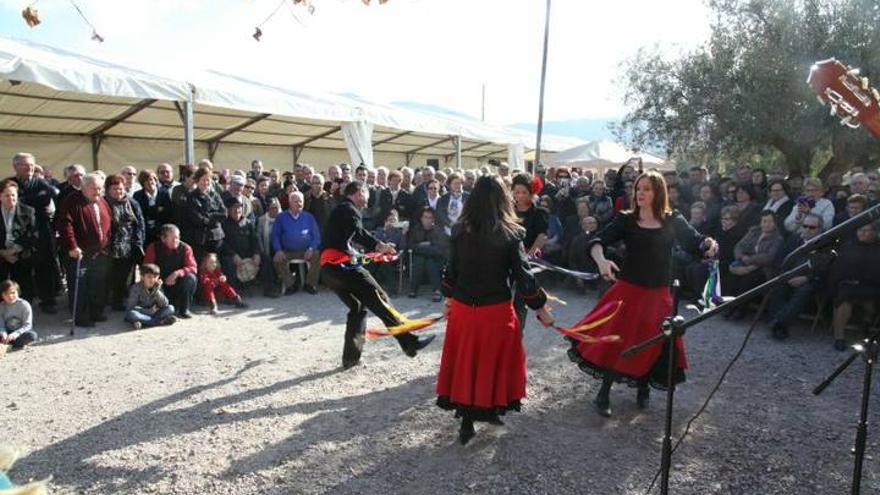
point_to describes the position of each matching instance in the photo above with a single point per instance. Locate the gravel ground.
(255, 402)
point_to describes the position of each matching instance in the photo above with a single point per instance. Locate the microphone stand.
(675, 326)
(868, 350)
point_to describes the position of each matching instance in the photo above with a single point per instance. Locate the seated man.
(429, 246)
(240, 244)
(296, 236)
(788, 300)
(177, 266)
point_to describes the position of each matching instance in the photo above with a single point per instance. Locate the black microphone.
(831, 236)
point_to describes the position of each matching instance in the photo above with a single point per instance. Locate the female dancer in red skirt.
(648, 232)
(483, 366)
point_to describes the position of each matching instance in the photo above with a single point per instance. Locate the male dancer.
(352, 283)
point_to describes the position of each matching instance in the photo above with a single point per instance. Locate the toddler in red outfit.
(212, 282)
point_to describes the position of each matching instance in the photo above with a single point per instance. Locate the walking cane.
(75, 295)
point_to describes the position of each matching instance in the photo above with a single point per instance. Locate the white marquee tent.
(67, 108)
(605, 154)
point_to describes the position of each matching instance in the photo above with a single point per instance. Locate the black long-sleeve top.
(648, 260)
(202, 216)
(239, 238)
(344, 226)
(480, 269)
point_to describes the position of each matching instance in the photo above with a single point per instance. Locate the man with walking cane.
(83, 224)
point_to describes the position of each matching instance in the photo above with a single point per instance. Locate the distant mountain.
(586, 129)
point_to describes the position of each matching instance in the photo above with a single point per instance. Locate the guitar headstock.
(850, 96)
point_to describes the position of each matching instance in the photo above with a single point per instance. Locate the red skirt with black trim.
(639, 318)
(483, 366)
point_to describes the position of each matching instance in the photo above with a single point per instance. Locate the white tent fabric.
(603, 154)
(59, 70)
(359, 141)
(112, 115)
(516, 156)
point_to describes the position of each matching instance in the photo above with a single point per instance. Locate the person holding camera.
(813, 201)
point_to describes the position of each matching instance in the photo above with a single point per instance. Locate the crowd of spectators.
(150, 245)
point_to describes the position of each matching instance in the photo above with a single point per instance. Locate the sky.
(437, 52)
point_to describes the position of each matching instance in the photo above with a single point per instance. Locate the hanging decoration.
(307, 4)
(31, 16)
(95, 36)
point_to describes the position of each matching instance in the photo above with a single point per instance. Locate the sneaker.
(310, 289)
(185, 315)
(171, 320)
(136, 325)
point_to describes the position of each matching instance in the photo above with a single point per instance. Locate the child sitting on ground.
(212, 281)
(147, 305)
(16, 318)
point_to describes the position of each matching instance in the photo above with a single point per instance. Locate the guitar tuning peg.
(853, 72)
(821, 100)
(865, 84)
(876, 94)
(833, 111)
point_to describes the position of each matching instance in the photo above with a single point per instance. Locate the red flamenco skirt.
(639, 319)
(483, 366)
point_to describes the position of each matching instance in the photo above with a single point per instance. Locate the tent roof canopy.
(604, 154)
(49, 91)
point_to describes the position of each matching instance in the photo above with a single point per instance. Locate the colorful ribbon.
(595, 319)
(407, 326)
(540, 265)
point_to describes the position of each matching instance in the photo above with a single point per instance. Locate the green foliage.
(744, 93)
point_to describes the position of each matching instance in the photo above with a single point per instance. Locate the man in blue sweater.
(296, 236)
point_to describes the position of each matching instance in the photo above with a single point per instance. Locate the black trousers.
(119, 280)
(46, 268)
(22, 271)
(91, 296)
(359, 292)
(181, 293)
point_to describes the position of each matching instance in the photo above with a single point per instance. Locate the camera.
(806, 201)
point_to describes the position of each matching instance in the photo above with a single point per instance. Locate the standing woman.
(126, 247)
(649, 232)
(202, 217)
(483, 365)
(155, 203)
(535, 222)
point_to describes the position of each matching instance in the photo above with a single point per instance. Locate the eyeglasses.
(811, 227)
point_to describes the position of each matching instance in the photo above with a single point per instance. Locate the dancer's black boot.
(603, 399)
(643, 396)
(466, 432)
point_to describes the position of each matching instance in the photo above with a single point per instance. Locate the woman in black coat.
(126, 248)
(155, 203)
(202, 217)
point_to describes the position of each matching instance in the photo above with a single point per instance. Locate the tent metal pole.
(458, 163)
(541, 97)
(188, 139)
